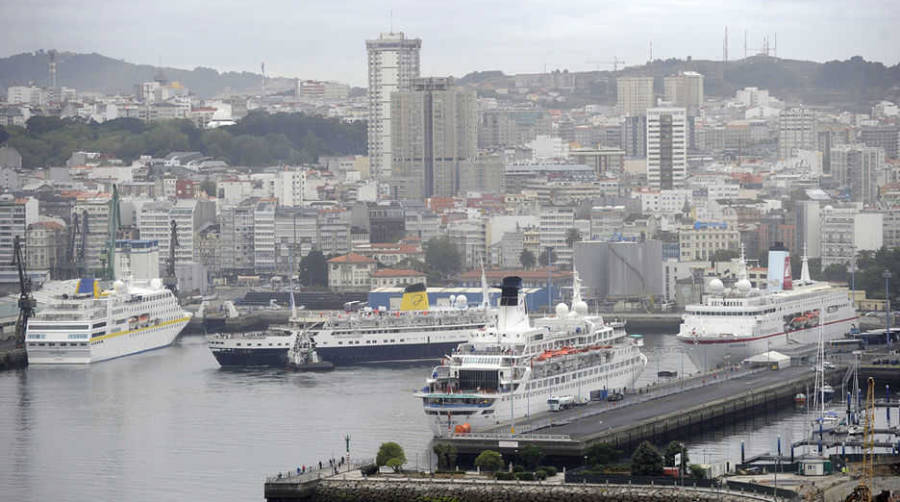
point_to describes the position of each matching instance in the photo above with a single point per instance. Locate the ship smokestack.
(778, 277)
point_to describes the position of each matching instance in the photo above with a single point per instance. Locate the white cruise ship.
(732, 324)
(512, 370)
(88, 325)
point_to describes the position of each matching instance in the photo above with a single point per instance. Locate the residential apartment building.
(264, 237)
(93, 229)
(685, 90)
(45, 242)
(393, 62)
(154, 221)
(236, 237)
(847, 230)
(555, 221)
(12, 224)
(333, 231)
(886, 137)
(796, 131)
(666, 148)
(858, 167)
(433, 134)
(634, 95)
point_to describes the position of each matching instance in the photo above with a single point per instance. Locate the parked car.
(616, 396)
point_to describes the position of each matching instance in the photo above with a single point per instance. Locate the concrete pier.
(721, 399)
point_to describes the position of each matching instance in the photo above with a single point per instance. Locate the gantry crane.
(26, 301)
(863, 492)
(170, 280)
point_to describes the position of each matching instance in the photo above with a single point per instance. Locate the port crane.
(171, 280)
(26, 301)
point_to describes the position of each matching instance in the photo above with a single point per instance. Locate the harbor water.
(171, 425)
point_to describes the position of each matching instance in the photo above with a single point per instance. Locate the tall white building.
(555, 221)
(290, 185)
(393, 63)
(796, 131)
(634, 95)
(264, 237)
(666, 148)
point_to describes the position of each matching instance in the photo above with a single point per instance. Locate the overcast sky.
(326, 39)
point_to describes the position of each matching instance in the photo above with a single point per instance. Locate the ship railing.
(312, 471)
(502, 436)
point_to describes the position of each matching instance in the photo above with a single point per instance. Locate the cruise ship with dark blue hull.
(413, 333)
(347, 356)
(257, 348)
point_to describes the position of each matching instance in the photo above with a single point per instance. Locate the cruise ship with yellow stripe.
(89, 324)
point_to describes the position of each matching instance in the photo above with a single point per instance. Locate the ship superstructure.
(732, 324)
(89, 324)
(513, 369)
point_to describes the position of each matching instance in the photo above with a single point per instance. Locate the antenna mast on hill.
(725, 47)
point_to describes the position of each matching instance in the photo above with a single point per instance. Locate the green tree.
(674, 448)
(531, 456)
(697, 471)
(836, 272)
(573, 235)
(543, 259)
(208, 187)
(314, 269)
(442, 257)
(391, 455)
(489, 461)
(446, 456)
(527, 259)
(601, 454)
(4, 136)
(724, 255)
(646, 461)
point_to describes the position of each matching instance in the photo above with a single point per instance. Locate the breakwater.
(482, 490)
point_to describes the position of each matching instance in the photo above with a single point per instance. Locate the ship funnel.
(778, 277)
(414, 298)
(512, 312)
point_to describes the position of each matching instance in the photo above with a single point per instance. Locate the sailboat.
(822, 391)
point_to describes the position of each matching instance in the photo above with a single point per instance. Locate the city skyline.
(301, 42)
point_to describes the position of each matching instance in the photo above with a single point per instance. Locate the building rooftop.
(351, 258)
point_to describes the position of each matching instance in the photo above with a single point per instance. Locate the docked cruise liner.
(414, 333)
(88, 324)
(732, 324)
(512, 370)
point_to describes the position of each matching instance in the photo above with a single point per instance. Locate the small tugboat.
(302, 356)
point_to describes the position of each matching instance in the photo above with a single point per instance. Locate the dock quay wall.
(754, 401)
(13, 359)
(402, 490)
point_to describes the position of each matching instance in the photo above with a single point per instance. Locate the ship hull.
(251, 357)
(110, 347)
(711, 353)
(388, 353)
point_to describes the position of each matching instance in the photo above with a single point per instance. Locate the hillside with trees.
(259, 139)
(98, 73)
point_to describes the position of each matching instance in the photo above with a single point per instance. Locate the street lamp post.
(887, 306)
